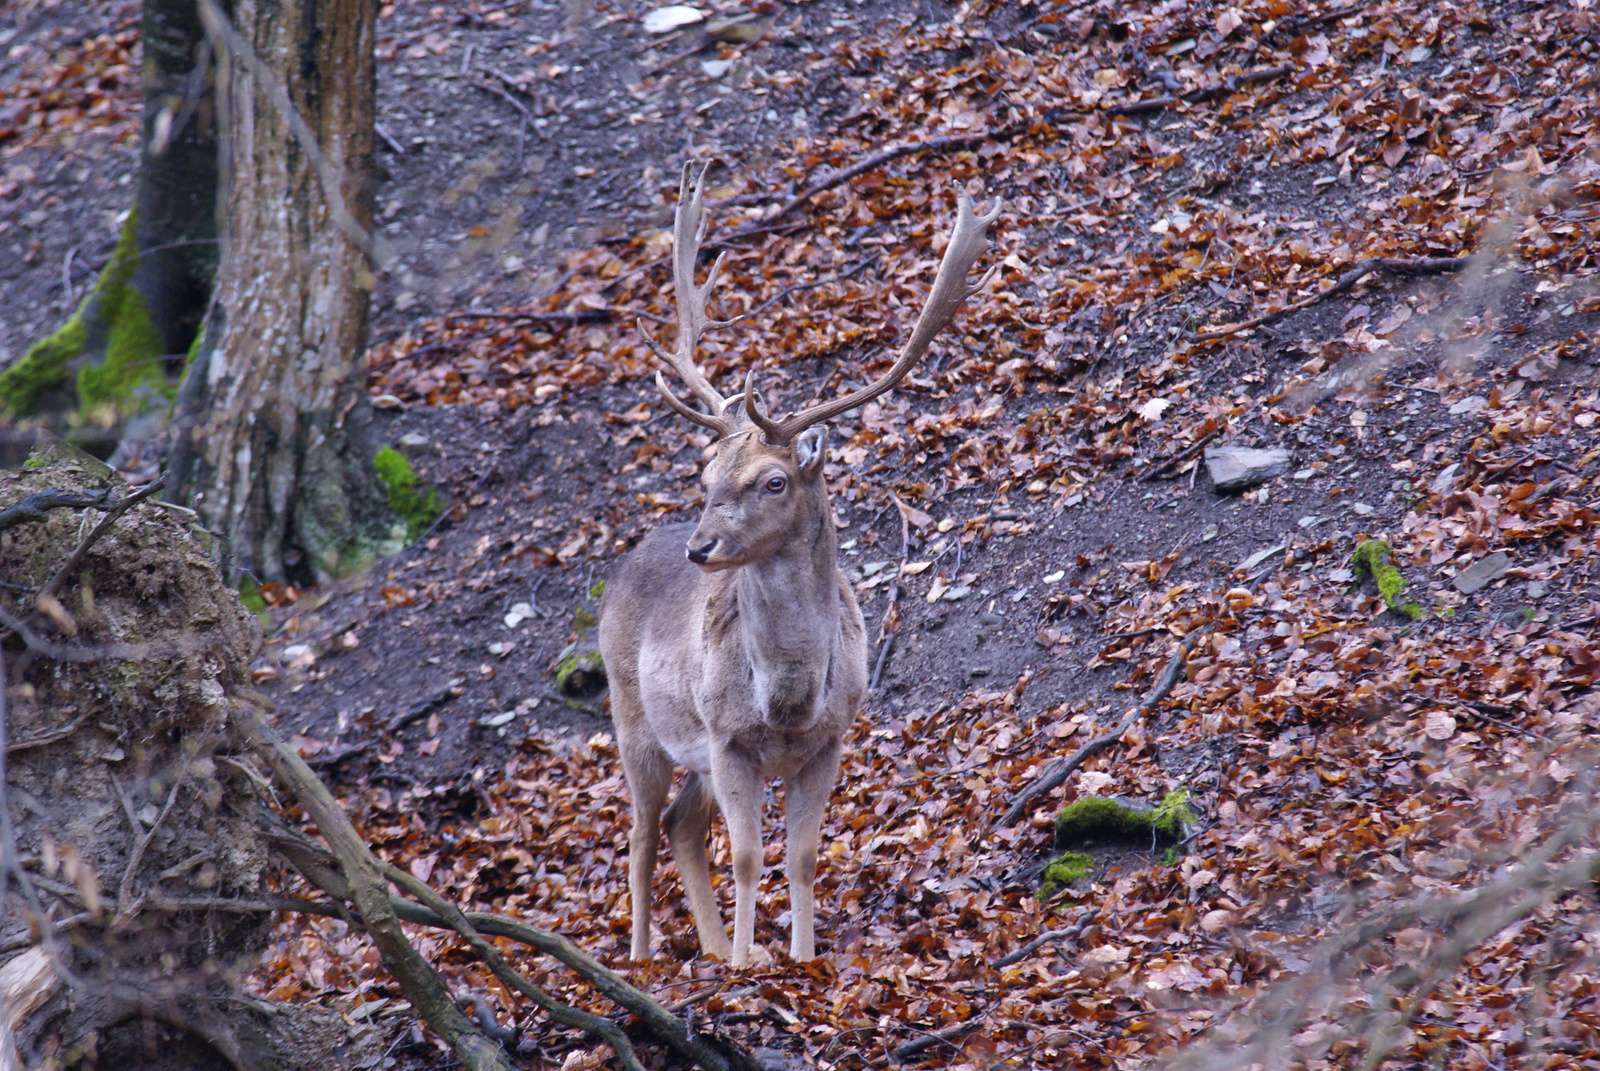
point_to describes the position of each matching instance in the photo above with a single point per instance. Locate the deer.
(734, 645)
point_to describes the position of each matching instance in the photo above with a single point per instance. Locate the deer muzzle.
(699, 548)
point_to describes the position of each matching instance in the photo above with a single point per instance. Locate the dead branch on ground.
(340, 871)
(1060, 770)
(32, 508)
(1396, 265)
(113, 511)
(887, 624)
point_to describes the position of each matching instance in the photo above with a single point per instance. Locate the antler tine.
(968, 241)
(688, 230)
(757, 412)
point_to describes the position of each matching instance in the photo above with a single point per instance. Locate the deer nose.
(700, 553)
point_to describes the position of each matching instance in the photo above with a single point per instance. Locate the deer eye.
(777, 484)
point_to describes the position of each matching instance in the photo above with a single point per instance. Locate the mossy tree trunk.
(123, 348)
(275, 441)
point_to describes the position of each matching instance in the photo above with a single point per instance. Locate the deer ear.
(809, 450)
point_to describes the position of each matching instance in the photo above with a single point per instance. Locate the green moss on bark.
(46, 365)
(416, 503)
(1095, 818)
(112, 320)
(1371, 562)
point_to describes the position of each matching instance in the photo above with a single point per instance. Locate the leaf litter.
(1348, 767)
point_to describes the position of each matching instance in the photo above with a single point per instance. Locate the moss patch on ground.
(1095, 818)
(580, 672)
(1062, 871)
(415, 502)
(1371, 561)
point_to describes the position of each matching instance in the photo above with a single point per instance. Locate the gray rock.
(1235, 468)
(1483, 572)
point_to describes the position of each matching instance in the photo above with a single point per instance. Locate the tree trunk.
(176, 199)
(107, 360)
(276, 440)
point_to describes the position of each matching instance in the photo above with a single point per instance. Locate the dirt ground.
(515, 134)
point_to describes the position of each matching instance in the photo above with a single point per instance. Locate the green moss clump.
(1062, 871)
(597, 589)
(44, 366)
(418, 505)
(1371, 562)
(1096, 818)
(581, 673)
(133, 369)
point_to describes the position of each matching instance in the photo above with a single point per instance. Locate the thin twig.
(1060, 770)
(1397, 265)
(1075, 930)
(565, 1014)
(125, 904)
(581, 316)
(1182, 456)
(16, 746)
(930, 1038)
(887, 625)
(1228, 86)
(53, 585)
(877, 160)
(522, 109)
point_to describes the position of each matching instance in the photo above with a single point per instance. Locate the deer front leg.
(805, 800)
(736, 780)
(649, 774)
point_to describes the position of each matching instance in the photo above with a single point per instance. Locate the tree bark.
(176, 199)
(275, 441)
(107, 359)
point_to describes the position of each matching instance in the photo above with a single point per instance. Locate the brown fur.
(747, 667)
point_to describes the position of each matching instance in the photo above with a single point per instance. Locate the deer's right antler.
(688, 230)
(968, 240)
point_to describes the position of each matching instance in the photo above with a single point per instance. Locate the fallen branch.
(327, 869)
(368, 889)
(33, 507)
(1060, 770)
(1182, 456)
(1227, 87)
(15, 746)
(1396, 265)
(878, 159)
(929, 1039)
(887, 625)
(522, 109)
(1075, 930)
(581, 316)
(565, 1014)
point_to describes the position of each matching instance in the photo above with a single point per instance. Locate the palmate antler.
(968, 241)
(688, 230)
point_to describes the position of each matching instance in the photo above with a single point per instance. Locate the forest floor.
(1029, 516)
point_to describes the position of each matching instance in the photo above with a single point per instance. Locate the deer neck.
(789, 616)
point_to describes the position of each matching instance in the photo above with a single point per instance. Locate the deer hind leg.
(688, 823)
(805, 799)
(649, 774)
(736, 779)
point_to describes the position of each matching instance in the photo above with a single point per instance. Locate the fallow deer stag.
(734, 646)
